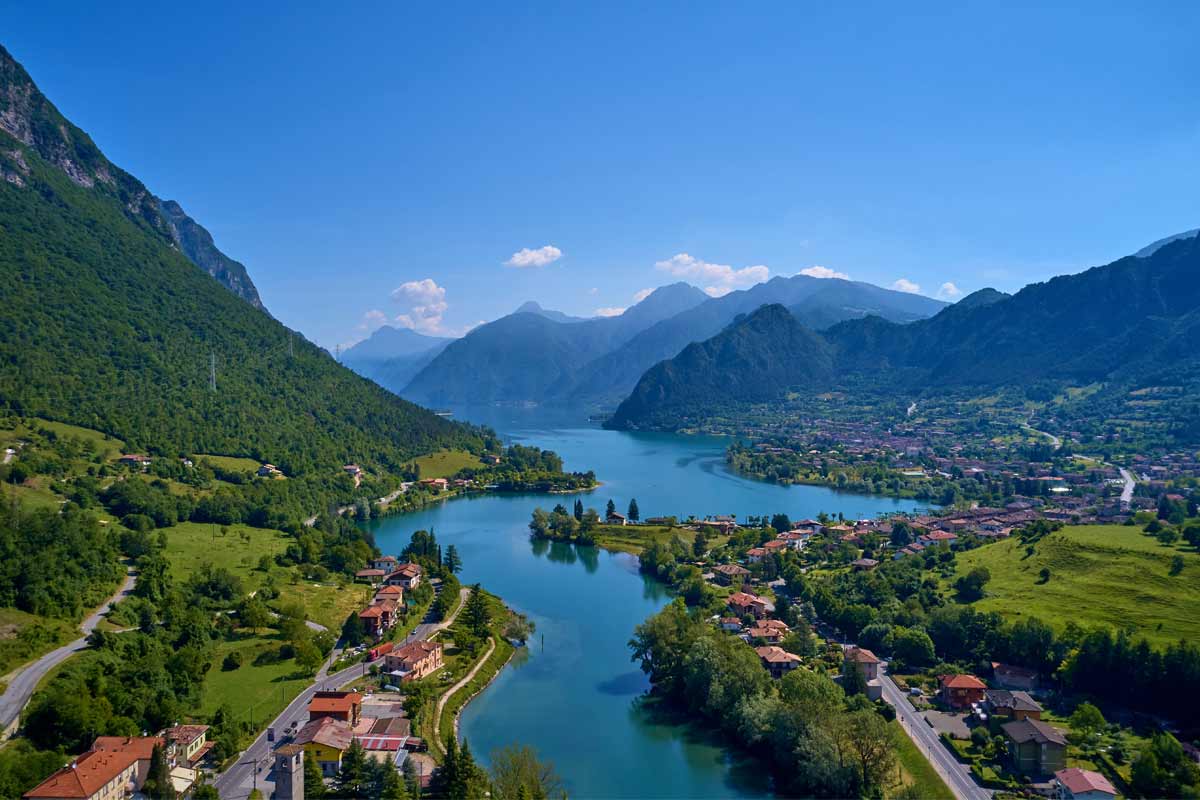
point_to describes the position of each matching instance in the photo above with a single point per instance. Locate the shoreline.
(458, 714)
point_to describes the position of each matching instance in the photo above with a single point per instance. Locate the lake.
(573, 694)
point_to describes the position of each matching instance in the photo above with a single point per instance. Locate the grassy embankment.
(916, 770)
(1108, 575)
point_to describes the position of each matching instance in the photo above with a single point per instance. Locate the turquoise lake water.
(573, 694)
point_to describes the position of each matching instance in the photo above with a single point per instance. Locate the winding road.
(21, 687)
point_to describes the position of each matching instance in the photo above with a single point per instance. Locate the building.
(1003, 705)
(867, 661)
(190, 743)
(864, 564)
(742, 604)
(756, 554)
(268, 471)
(777, 661)
(386, 563)
(772, 630)
(289, 773)
(726, 574)
(113, 769)
(613, 518)
(1082, 784)
(1035, 748)
(327, 739)
(1007, 676)
(135, 460)
(960, 691)
(344, 706)
(415, 660)
(355, 472)
(370, 575)
(407, 576)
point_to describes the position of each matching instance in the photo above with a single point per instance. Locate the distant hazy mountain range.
(392, 356)
(1135, 320)
(542, 356)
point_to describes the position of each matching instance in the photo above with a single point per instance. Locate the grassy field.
(326, 603)
(25, 637)
(916, 770)
(230, 463)
(635, 538)
(257, 692)
(190, 545)
(446, 463)
(1112, 575)
(109, 447)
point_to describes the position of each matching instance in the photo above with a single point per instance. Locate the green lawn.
(190, 545)
(1112, 575)
(25, 637)
(635, 538)
(230, 463)
(326, 603)
(109, 447)
(256, 693)
(917, 771)
(446, 463)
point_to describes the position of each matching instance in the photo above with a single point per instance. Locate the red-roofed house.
(742, 603)
(114, 768)
(415, 660)
(1083, 784)
(346, 706)
(960, 691)
(405, 575)
(866, 660)
(778, 661)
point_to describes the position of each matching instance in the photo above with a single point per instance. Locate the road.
(1127, 489)
(956, 776)
(1055, 442)
(20, 688)
(253, 767)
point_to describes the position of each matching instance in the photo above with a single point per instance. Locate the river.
(573, 694)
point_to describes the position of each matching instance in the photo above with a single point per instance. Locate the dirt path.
(441, 703)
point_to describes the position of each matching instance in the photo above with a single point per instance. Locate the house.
(490, 458)
(407, 576)
(1007, 676)
(730, 624)
(345, 706)
(440, 484)
(135, 461)
(866, 660)
(613, 518)
(190, 743)
(415, 660)
(327, 739)
(756, 554)
(371, 618)
(960, 691)
(1035, 748)
(355, 472)
(726, 574)
(775, 546)
(864, 564)
(268, 471)
(393, 593)
(772, 630)
(369, 575)
(1004, 705)
(742, 603)
(777, 661)
(105, 772)
(1082, 784)
(386, 563)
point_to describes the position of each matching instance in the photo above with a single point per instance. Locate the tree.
(700, 544)
(781, 523)
(913, 647)
(158, 784)
(854, 682)
(353, 632)
(579, 511)
(476, 615)
(453, 561)
(351, 780)
(1176, 565)
(610, 509)
(1087, 720)
(254, 614)
(517, 773)
(633, 514)
(871, 744)
(314, 780)
(308, 657)
(970, 586)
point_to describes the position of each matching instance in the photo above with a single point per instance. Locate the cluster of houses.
(117, 766)
(338, 718)
(391, 580)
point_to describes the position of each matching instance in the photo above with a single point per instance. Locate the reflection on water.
(573, 693)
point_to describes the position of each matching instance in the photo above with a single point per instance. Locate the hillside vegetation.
(1111, 575)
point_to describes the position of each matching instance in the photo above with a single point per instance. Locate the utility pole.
(212, 371)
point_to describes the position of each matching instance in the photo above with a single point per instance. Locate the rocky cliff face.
(31, 121)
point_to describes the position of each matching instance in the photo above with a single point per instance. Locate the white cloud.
(642, 295)
(534, 258)
(823, 272)
(905, 285)
(425, 304)
(721, 278)
(593, 290)
(609, 312)
(372, 321)
(949, 291)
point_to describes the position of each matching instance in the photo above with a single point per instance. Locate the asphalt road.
(253, 768)
(1127, 490)
(956, 776)
(20, 688)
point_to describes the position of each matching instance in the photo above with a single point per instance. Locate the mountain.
(1134, 320)
(752, 360)
(529, 356)
(1153, 247)
(817, 302)
(107, 324)
(393, 356)
(533, 307)
(28, 117)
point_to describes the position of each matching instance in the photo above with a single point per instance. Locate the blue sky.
(345, 154)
